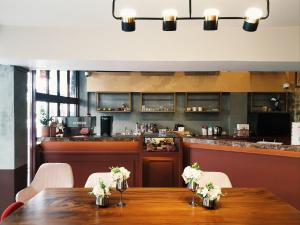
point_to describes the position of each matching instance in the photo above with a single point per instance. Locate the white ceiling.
(95, 13)
(82, 34)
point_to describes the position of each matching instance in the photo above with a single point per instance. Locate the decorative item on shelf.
(44, 120)
(210, 17)
(101, 192)
(210, 195)
(276, 103)
(120, 175)
(192, 176)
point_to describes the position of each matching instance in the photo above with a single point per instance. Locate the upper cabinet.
(268, 102)
(113, 102)
(202, 102)
(158, 102)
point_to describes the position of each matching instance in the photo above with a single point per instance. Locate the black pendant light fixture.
(169, 20)
(128, 20)
(253, 16)
(211, 18)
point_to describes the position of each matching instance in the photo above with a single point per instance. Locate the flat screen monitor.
(273, 124)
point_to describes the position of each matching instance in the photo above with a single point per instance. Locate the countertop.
(223, 141)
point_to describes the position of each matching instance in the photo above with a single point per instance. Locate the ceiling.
(95, 13)
(81, 34)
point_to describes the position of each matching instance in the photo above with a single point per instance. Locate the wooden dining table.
(73, 206)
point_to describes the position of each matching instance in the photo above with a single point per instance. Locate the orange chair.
(10, 209)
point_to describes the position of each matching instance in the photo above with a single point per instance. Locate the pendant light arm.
(190, 14)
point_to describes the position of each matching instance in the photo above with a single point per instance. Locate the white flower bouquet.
(192, 174)
(119, 174)
(100, 190)
(210, 191)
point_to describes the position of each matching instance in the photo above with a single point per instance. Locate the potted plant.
(120, 175)
(210, 194)
(44, 120)
(101, 192)
(191, 176)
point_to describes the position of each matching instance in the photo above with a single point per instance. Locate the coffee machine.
(106, 124)
(81, 125)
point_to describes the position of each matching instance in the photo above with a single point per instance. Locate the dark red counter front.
(275, 170)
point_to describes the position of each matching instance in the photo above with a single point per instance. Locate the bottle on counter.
(210, 131)
(204, 130)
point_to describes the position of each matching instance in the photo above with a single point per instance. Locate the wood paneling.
(160, 172)
(182, 82)
(278, 174)
(154, 206)
(11, 181)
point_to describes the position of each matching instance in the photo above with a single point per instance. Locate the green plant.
(44, 118)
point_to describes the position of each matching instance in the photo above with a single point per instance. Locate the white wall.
(83, 35)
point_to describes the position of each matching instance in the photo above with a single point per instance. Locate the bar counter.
(247, 164)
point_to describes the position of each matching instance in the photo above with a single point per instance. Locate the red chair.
(10, 209)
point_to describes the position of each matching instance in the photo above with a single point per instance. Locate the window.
(56, 95)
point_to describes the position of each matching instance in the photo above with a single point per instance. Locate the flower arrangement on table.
(101, 192)
(120, 175)
(192, 176)
(210, 194)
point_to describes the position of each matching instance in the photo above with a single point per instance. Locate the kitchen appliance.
(106, 123)
(217, 130)
(82, 125)
(295, 133)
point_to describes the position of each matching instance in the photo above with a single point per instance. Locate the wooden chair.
(49, 175)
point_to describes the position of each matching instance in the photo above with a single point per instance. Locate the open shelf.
(113, 102)
(158, 102)
(260, 102)
(202, 102)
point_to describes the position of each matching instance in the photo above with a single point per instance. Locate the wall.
(235, 108)
(13, 133)
(192, 121)
(188, 82)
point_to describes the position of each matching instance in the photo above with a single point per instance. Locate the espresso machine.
(106, 124)
(82, 125)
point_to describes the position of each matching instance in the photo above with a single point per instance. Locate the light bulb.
(127, 12)
(254, 13)
(169, 13)
(211, 12)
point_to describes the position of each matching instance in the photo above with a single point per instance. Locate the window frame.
(46, 97)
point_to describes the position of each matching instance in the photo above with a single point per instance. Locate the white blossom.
(119, 174)
(210, 191)
(101, 189)
(191, 175)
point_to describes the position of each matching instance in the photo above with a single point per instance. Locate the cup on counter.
(194, 109)
(188, 109)
(200, 109)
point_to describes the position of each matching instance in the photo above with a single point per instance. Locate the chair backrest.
(94, 178)
(10, 209)
(218, 178)
(52, 175)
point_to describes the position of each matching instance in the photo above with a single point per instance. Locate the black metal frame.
(190, 14)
